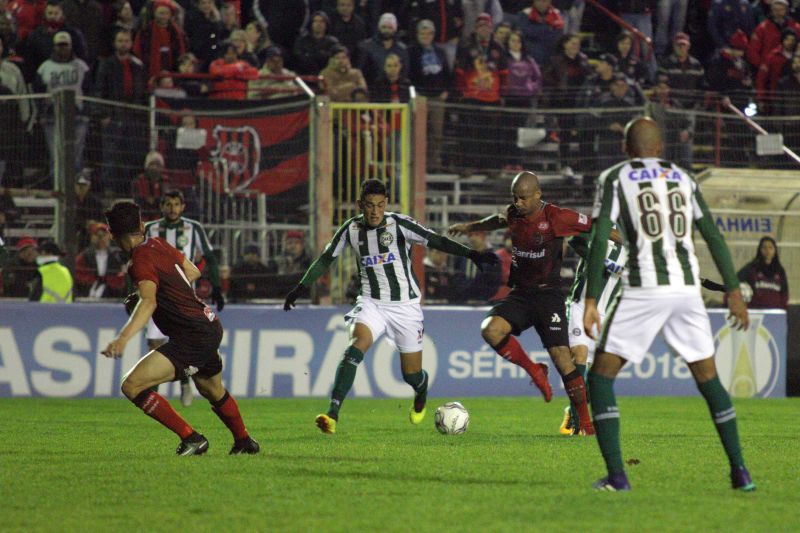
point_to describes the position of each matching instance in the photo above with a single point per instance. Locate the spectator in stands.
(150, 186)
(183, 161)
(193, 88)
(628, 63)
(600, 82)
(472, 9)
(478, 129)
(727, 17)
(243, 48)
(313, 48)
(100, 268)
(469, 283)
(230, 20)
(391, 87)
(265, 88)
(340, 78)
(609, 140)
(729, 71)
(88, 208)
(204, 31)
(639, 14)
(447, 17)
(430, 75)
(768, 34)
(38, 47)
(258, 40)
(121, 78)
(671, 19)
(501, 34)
(235, 74)
(250, 278)
(676, 123)
(87, 17)
(567, 72)
(481, 43)
(124, 18)
(15, 115)
(295, 259)
(372, 52)
(53, 282)
(773, 69)
(63, 71)
(766, 277)
(685, 74)
(284, 18)
(20, 271)
(161, 42)
(28, 14)
(788, 104)
(348, 28)
(521, 90)
(542, 27)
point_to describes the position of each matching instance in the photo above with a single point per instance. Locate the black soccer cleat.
(194, 444)
(246, 445)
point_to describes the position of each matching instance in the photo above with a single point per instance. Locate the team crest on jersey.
(240, 148)
(386, 239)
(543, 225)
(182, 241)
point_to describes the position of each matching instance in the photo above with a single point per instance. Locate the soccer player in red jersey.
(164, 277)
(537, 236)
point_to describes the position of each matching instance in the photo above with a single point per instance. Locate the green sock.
(418, 382)
(345, 375)
(724, 416)
(582, 369)
(606, 421)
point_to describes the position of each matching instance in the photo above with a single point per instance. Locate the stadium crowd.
(520, 54)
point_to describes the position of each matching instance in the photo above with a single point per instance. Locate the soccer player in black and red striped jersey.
(164, 277)
(537, 237)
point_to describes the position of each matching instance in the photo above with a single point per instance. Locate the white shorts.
(577, 336)
(402, 323)
(641, 314)
(152, 333)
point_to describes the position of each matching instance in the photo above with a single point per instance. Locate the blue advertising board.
(54, 351)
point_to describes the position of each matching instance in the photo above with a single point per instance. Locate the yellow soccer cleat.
(326, 424)
(566, 425)
(416, 417)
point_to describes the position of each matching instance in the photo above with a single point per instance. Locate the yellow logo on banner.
(748, 362)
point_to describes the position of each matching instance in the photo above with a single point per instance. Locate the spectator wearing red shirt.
(235, 74)
(28, 14)
(766, 277)
(767, 35)
(773, 68)
(160, 43)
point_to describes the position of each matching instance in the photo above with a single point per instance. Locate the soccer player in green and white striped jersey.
(654, 202)
(581, 346)
(390, 296)
(189, 237)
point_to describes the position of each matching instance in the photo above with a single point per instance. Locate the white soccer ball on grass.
(451, 418)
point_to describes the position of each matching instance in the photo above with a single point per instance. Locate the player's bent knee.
(130, 389)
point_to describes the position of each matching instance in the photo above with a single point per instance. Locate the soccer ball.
(451, 418)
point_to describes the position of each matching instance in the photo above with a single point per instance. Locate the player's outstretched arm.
(317, 269)
(490, 223)
(137, 321)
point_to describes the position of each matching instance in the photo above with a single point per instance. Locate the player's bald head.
(643, 138)
(525, 180)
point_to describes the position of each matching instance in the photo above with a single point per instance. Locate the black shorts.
(542, 309)
(195, 354)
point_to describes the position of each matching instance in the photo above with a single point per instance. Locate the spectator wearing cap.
(542, 26)
(347, 26)
(729, 72)
(232, 75)
(728, 16)
(340, 78)
(150, 185)
(628, 63)
(88, 209)
(100, 268)
(121, 78)
(372, 52)
(160, 42)
(772, 69)
(204, 30)
(685, 74)
(446, 18)
(63, 71)
(313, 47)
(38, 47)
(473, 9)
(430, 74)
(21, 270)
(250, 277)
(53, 282)
(265, 87)
(480, 43)
(768, 34)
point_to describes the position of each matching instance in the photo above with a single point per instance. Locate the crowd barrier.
(54, 352)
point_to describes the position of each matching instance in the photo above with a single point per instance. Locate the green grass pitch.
(102, 465)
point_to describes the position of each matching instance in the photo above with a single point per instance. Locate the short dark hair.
(372, 186)
(173, 193)
(123, 218)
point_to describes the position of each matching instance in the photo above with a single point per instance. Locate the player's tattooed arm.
(490, 223)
